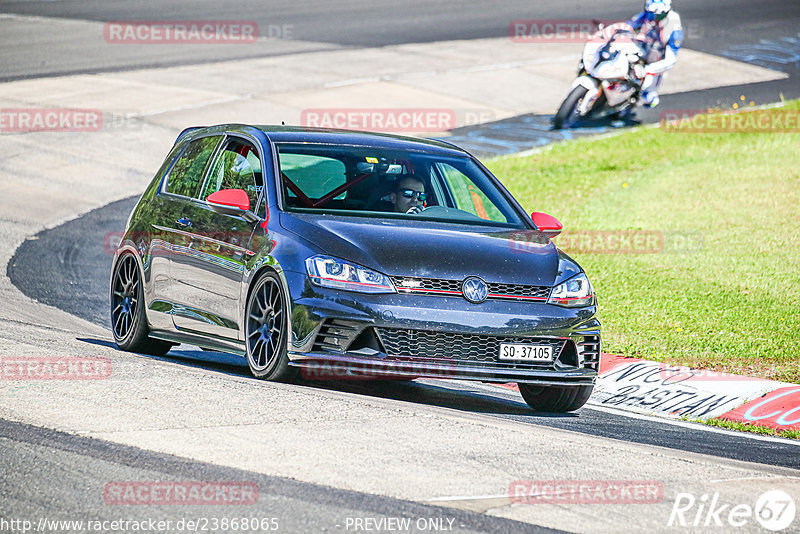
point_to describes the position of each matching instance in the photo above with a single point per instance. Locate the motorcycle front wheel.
(568, 114)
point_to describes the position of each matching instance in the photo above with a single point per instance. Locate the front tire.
(128, 316)
(567, 114)
(556, 399)
(266, 330)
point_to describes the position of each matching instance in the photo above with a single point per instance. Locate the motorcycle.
(609, 80)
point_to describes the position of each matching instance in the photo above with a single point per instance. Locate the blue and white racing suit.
(664, 39)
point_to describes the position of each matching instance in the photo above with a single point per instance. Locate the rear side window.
(187, 173)
(236, 167)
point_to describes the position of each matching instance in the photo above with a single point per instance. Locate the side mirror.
(231, 202)
(549, 225)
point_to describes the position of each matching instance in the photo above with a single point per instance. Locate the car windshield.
(381, 183)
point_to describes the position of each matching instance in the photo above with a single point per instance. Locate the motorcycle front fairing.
(607, 66)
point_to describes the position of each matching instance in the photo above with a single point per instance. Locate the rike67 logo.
(774, 510)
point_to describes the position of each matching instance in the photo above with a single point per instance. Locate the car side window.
(187, 173)
(236, 167)
(468, 196)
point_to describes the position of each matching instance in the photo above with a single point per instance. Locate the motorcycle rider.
(660, 28)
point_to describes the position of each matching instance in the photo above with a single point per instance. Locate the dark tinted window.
(187, 173)
(236, 167)
(368, 182)
(314, 175)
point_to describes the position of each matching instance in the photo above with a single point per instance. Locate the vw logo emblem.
(474, 289)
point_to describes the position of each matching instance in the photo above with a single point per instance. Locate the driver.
(408, 195)
(660, 29)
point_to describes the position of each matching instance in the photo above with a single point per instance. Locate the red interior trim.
(339, 190)
(297, 191)
(309, 203)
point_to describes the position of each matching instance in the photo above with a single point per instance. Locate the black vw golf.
(372, 255)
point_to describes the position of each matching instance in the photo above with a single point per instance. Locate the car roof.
(300, 134)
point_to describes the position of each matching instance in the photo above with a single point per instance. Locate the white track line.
(695, 426)
(656, 419)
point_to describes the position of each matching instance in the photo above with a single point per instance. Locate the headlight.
(574, 293)
(331, 272)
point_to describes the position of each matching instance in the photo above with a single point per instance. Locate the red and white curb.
(653, 388)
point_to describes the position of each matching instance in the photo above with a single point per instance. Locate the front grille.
(435, 286)
(425, 345)
(426, 285)
(518, 291)
(589, 352)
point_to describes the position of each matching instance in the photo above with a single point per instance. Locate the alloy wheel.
(125, 297)
(265, 324)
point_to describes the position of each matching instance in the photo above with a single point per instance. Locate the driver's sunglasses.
(410, 193)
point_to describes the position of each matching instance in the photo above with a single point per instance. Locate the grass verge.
(723, 290)
(745, 427)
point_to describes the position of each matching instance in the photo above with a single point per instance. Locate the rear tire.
(557, 399)
(567, 114)
(128, 316)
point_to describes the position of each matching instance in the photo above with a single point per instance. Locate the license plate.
(524, 353)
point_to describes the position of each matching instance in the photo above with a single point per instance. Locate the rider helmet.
(657, 10)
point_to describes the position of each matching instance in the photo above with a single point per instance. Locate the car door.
(170, 230)
(212, 271)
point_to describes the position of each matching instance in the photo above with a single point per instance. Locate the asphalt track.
(69, 468)
(712, 26)
(763, 33)
(68, 267)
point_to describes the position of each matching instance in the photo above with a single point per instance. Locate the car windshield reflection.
(370, 182)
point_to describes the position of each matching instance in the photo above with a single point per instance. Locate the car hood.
(436, 250)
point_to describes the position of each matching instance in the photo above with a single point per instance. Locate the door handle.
(183, 221)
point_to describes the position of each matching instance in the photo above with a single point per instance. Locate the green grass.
(730, 300)
(746, 427)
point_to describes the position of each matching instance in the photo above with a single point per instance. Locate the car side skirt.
(233, 347)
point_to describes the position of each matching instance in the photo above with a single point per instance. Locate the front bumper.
(327, 366)
(338, 334)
